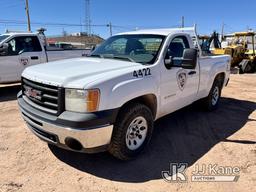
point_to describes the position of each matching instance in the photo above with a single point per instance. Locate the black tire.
(118, 147)
(207, 102)
(246, 66)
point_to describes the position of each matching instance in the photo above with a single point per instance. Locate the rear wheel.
(132, 131)
(211, 102)
(246, 66)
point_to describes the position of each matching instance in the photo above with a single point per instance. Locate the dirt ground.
(226, 137)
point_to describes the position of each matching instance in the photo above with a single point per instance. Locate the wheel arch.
(150, 100)
(220, 77)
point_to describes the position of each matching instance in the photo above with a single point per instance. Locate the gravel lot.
(226, 137)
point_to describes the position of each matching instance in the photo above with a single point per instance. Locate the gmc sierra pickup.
(110, 99)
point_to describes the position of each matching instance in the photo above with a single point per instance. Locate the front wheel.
(132, 131)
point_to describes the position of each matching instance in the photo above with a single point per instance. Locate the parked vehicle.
(110, 100)
(20, 50)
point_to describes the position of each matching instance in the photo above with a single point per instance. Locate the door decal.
(24, 61)
(181, 79)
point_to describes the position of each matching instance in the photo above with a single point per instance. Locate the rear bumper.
(83, 132)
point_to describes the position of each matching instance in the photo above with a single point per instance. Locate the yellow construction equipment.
(242, 56)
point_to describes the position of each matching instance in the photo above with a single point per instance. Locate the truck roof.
(20, 33)
(163, 31)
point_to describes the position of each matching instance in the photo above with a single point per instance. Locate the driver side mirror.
(169, 62)
(188, 61)
(4, 49)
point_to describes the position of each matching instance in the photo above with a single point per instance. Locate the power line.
(49, 24)
(127, 27)
(18, 22)
(11, 5)
(63, 25)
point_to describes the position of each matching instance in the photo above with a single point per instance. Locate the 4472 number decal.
(142, 72)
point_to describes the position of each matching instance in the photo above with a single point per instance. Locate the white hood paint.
(77, 73)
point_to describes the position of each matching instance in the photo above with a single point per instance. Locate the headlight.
(82, 100)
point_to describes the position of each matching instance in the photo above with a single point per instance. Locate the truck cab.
(18, 51)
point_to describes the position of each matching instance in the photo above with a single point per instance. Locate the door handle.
(34, 57)
(191, 72)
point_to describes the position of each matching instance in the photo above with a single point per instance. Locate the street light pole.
(28, 17)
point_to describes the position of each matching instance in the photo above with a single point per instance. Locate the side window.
(12, 47)
(20, 45)
(35, 44)
(177, 46)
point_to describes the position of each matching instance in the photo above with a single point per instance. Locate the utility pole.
(87, 17)
(28, 17)
(182, 22)
(110, 28)
(222, 32)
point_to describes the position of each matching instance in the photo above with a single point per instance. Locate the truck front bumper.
(82, 132)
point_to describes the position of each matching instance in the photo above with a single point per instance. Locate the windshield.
(3, 37)
(135, 48)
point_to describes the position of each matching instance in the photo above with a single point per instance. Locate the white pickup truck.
(110, 100)
(20, 50)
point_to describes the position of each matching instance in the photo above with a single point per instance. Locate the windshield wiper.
(113, 57)
(96, 55)
(123, 58)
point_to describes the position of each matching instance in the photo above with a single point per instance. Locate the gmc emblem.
(30, 92)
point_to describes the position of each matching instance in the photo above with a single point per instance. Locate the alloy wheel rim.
(215, 95)
(136, 133)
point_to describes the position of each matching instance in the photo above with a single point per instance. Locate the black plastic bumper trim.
(73, 120)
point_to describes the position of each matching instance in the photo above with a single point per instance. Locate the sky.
(129, 15)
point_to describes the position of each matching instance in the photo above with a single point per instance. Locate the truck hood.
(77, 73)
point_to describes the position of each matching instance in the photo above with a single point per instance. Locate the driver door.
(9, 63)
(22, 52)
(178, 86)
(31, 52)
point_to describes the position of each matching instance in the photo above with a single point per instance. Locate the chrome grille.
(47, 98)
